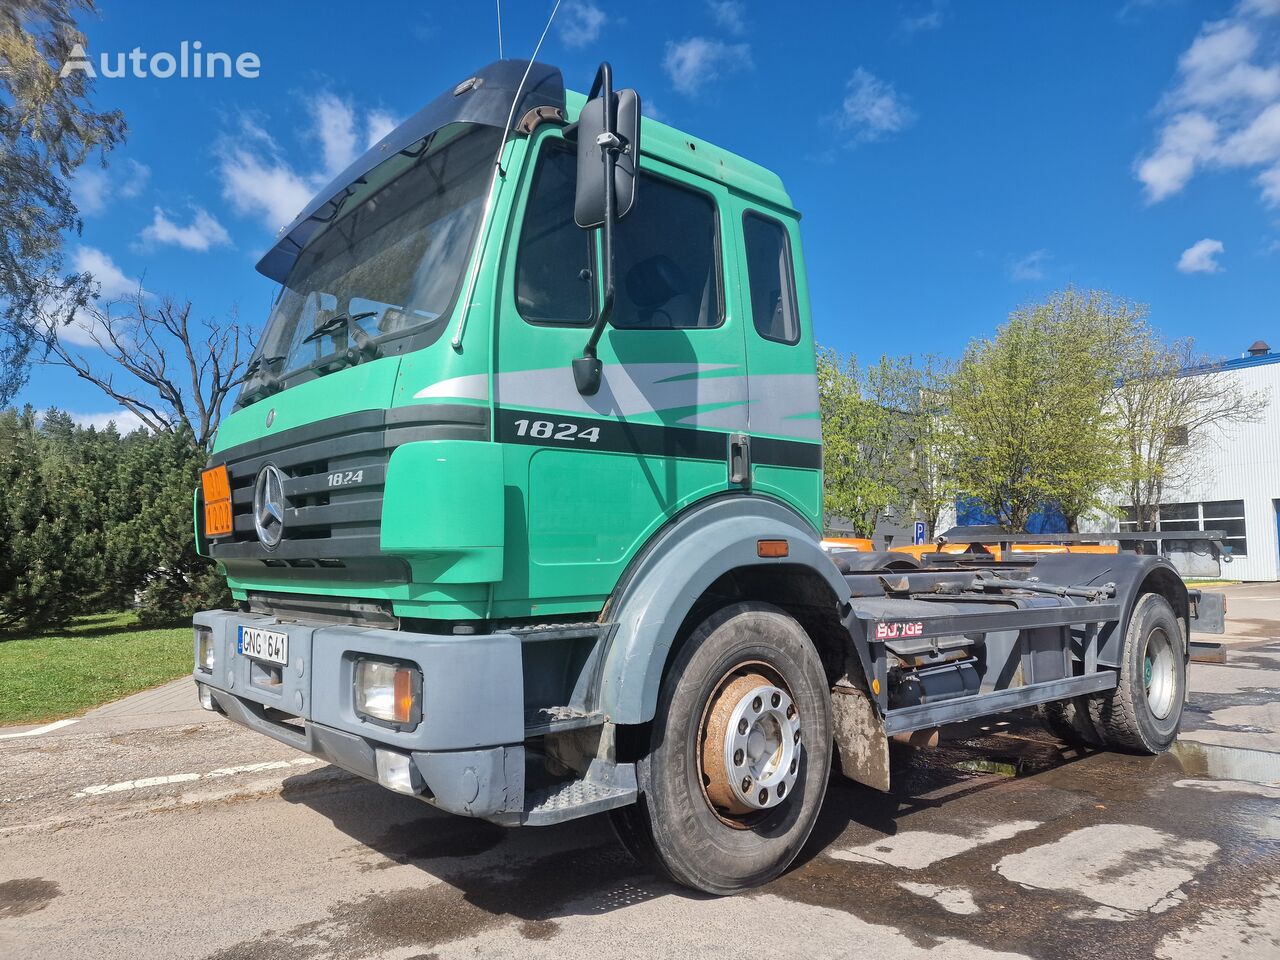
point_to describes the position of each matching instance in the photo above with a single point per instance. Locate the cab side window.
(667, 260)
(771, 279)
(553, 261)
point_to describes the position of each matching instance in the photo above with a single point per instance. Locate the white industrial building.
(1236, 484)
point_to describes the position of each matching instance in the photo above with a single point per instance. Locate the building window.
(1176, 436)
(1224, 515)
(769, 275)
(668, 260)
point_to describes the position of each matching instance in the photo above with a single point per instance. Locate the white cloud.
(1030, 267)
(695, 61)
(1223, 112)
(263, 184)
(201, 234)
(258, 179)
(334, 125)
(126, 421)
(873, 108)
(650, 109)
(112, 284)
(94, 187)
(378, 125)
(728, 15)
(1186, 141)
(1200, 257)
(1269, 181)
(581, 22)
(112, 281)
(930, 19)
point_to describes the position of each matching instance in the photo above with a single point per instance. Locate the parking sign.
(919, 537)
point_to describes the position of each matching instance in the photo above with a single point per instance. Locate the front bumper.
(465, 755)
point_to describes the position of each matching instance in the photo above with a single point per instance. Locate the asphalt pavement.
(149, 828)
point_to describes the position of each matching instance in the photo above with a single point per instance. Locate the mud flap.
(860, 736)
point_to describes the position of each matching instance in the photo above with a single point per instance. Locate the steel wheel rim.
(749, 745)
(1159, 673)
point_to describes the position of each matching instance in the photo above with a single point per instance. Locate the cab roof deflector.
(483, 98)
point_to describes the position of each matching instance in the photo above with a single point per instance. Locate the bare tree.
(172, 372)
(1169, 399)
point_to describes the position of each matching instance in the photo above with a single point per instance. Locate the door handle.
(740, 459)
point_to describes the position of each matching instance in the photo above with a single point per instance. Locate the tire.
(1070, 722)
(674, 827)
(1143, 712)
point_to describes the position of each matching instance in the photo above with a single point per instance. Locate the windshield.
(391, 260)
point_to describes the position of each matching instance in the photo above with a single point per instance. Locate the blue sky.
(951, 160)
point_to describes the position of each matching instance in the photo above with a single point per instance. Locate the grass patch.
(48, 674)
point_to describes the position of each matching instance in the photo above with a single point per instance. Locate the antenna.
(499, 5)
(493, 183)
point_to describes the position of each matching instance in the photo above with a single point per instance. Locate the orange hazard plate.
(217, 518)
(216, 485)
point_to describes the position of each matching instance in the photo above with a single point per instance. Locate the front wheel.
(739, 754)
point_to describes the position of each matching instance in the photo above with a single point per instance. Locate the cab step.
(606, 786)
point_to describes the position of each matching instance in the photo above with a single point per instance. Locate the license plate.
(271, 645)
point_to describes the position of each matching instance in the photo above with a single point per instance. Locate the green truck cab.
(521, 504)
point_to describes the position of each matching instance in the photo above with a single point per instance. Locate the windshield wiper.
(257, 363)
(336, 322)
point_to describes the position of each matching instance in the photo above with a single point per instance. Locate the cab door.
(590, 479)
(784, 424)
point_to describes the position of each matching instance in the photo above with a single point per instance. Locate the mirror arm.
(587, 368)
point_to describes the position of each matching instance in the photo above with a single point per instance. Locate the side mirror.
(598, 136)
(608, 148)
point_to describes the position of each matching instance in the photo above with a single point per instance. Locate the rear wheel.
(739, 754)
(1144, 710)
(1069, 721)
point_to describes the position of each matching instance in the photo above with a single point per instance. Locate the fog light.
(396, 772)
(204, 649)
(206, 697)
(387, 692)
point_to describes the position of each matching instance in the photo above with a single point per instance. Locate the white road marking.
(951, 899)
(258, 767)
(1130, 867)
(100, 789)
(47, 728)
(917, 849)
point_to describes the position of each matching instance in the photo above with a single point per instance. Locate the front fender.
(675, 569)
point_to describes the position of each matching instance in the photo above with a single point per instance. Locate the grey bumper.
(466, 753)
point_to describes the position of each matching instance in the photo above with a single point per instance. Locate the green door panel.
(590, 479)
(580, 544)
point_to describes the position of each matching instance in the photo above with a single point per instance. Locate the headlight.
(204, 649)
(387, 692)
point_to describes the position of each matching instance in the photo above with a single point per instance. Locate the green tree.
(153, 548)
(917, 389)
(47, 130)
(1033, 409)
(1165, 418)
(862, 471)
(52, 534)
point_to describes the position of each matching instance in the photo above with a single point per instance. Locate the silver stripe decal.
(779, 405)
(472, 387)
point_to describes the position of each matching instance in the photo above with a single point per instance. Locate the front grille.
(335, 472)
